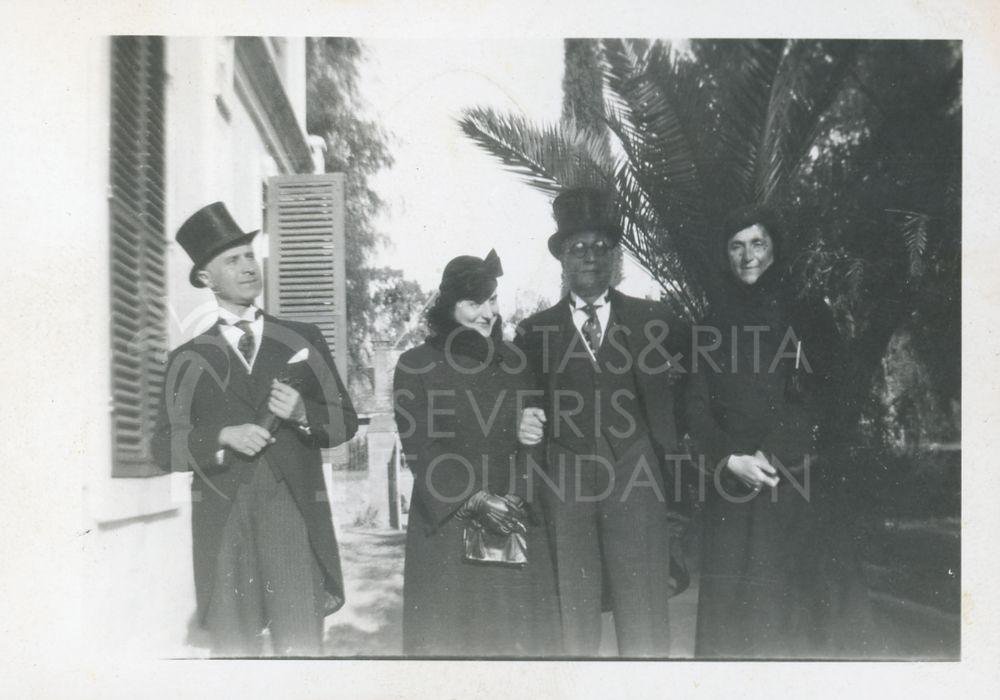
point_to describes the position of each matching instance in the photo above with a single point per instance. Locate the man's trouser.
(608, 526)
(266, 575)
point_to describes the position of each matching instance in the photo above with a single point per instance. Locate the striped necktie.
(592, 327)
(246, 341)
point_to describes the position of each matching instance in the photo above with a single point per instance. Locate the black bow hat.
(583, 209)
(208, 232)
(469, 277)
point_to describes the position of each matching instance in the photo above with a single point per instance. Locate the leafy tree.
(523, 310)
(359, 148)
(856, 144)
(399, 304)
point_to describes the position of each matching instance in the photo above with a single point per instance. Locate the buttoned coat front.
(620, 399)
(207, 388)
(645, 339)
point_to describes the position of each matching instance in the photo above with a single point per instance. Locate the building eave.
(261, 89)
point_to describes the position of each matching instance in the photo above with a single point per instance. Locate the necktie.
(592, 327)
(245, 343)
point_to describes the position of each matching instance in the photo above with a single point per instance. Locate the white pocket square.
(301, 356)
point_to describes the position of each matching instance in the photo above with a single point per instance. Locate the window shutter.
(306, 268)
(138, 249)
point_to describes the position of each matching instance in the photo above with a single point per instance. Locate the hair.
(440, 315)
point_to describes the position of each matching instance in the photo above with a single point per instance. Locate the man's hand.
(531, 427)
(753, 470)
(286, 403)
(247, 439)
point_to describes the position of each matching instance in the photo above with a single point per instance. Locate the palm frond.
(665, 161)
(744, 92)
(650, 245)
(726, 123)
(667, 105)
(912, 226)
(547, 157)
(668, 181)
(801, 93)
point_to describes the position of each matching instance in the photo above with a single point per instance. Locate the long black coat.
(207, 388)
(779, 575)
(457, 410)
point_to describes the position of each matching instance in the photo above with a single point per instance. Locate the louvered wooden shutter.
(138, 249)
(305, 280)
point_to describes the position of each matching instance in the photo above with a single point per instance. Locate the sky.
(446, 196)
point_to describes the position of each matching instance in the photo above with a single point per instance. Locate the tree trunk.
(863, 357)
(583, 102)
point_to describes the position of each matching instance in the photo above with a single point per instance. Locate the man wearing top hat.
(246, 406)
(604, 363)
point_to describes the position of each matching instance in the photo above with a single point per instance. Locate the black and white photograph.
(528, 357)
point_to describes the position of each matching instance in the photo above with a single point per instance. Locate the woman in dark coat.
(779, 573)
(457, 398)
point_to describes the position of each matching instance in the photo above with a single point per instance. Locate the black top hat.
(208, 232)
(582, 209)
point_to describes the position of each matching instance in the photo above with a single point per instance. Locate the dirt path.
(370, 623)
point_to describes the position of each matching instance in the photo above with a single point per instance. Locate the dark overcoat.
(622, 397)
(457, 418)
(207, 388)
(779, 572)
(652, 343)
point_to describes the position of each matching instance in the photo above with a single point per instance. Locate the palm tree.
(856, 144)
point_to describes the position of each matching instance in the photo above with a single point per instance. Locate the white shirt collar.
(230, 318)
(577, 302)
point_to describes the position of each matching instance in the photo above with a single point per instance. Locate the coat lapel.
(274, 353)
(620, 316)
(612, 341)
(231, 373)
(563, 321)
(623, 309)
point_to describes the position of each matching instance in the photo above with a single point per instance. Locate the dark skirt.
(456, 608)
(781, 578)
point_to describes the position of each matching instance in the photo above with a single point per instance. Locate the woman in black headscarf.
(779, 573)
(456, 399)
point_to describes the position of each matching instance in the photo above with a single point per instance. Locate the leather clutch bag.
(485, 547)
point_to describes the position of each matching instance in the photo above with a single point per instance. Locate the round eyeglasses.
(598, 248)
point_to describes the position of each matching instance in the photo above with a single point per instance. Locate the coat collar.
(252, 313)
(620, 308)
(577, 302)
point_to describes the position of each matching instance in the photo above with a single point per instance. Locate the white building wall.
(295, 77)
(214, 153)
(139, 588)
(137, 544)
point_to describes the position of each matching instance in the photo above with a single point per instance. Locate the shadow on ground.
(921, 626)
(371, 621)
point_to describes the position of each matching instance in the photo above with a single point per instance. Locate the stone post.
(382, 436)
